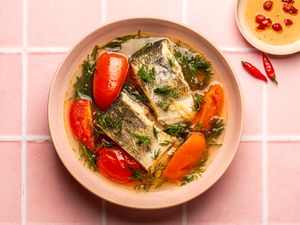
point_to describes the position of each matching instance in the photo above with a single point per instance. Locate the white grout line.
(11, 50)
(24, 112)
(237, 49)
(265, 157)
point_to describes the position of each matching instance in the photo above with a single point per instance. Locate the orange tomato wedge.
(186, 157)
(213, 106)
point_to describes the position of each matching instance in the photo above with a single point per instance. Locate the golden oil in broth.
(128, 48)
(288, 35)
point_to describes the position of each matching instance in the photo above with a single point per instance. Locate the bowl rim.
(279, 50)
(221, 170)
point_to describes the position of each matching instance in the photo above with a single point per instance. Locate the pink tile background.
(261, 185)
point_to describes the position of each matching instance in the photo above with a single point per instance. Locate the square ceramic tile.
(11, 94)
(53, 196)
(10, 182)
(283, 100)
(41, 69)
(283, 183)
(61, 22)
(167, 9)
(118, 215)
(252, 90)
(215, 20)
(11, 23)
(237, 197)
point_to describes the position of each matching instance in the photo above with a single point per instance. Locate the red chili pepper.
(269, 68)
(252, 70)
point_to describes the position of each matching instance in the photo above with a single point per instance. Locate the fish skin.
(156, 55)
(134, 119)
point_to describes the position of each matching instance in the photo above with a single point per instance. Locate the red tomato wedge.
(111, 71)
(186, 157)
(81, 120)
(116, 164)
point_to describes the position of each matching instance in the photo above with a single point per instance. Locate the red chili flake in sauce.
(259, 18)
(268, 5)
(294, 10)
(266, 22)
(288, 22)
(287, 7)
(277, 26)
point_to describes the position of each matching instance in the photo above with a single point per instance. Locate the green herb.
(143, 139)
(167, 91)
(193, 65)
(217, 126)
(88, 156)
(116, 44)
(165, 142)
(84, 84)
(148, 180)
(147, 75)
(198, 101)
(198, 171)
(135, 94)
(171, 62)
(108, 122)
(95, 52)
(137, 174)
(176, 129)
(156, 154)
(163, 105)
(155, 132)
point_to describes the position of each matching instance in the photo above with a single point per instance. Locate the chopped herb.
(155, 132)
(198, 171)
(176, 129)
(147, 75)
(198, 101)
(167, 91)
(135, 94)
(136, 174)
(154, 174)
(171, 62)
(143, 139)
(163, 105)
(193, 65)
(156, 154)
(95, 52)
(214, 143)
(84, 84)
(217, 126)
(88, 156)
(165, 142)
(108, 122)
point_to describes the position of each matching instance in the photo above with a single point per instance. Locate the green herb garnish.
(171, 62)
(176, 129)
(197, 171)
(143, 139)
(156, 154)
(193, 65)
(163, 105)
(136, 94)
(166, 142)
(167, 91)
(155, 132)
(217, 126)
(198, 101)
(108, 122)
(88, 156)
(147, 75)
(116, 44)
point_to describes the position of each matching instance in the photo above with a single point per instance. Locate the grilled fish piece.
(126, 123)
(160, 76)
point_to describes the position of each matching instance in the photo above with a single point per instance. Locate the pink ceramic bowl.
(119, 194)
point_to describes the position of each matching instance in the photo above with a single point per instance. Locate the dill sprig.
(192, 65)
(163, 105)
(136, 94)
(198, 170)
(88, 156)
(155, 132)
(217, 126)
(171, 62)
(198, 101)
(167, 91)
(147, 75)
(143, 139)
(176, 129)
(165, 142)
(108, 122)
(156, 154)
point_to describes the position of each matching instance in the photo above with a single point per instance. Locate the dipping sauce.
(289, 33)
